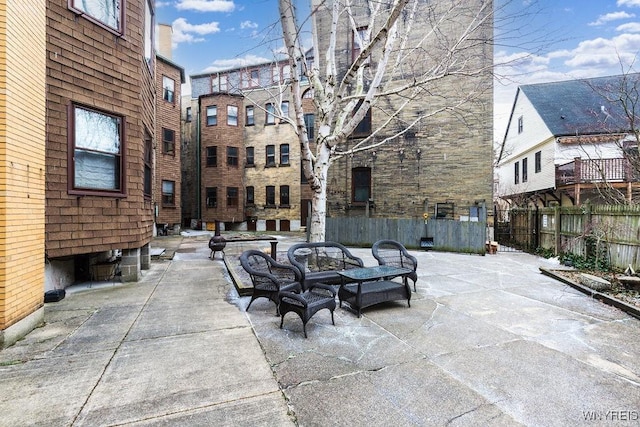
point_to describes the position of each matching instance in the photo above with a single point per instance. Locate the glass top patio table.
(373, 273)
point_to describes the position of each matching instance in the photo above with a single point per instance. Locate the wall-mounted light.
(401, 155)
(418, 154)
(374, 154)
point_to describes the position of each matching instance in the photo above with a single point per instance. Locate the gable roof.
(582, 107)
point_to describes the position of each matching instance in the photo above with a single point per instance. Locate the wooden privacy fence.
(572, 229)
(447, 235)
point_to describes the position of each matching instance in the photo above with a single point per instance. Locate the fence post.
(557, 218)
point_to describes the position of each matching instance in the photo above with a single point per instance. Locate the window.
(189, 115)
(250, 156)
(309, 123)
(284, 195)
(271, 196)
(361, 185)
(359, 39)
(284, 154)
(168, 198)
(96, 145)
(168, 89)
(250, 196)
(232, 115)
(251, 78)
(271, 111)
(286, 72)
(212, 156)
(364, 127)
(232, 156)
(232, 196)
(105, 12)
(148, 32)
(212, 197)
(520, 124)
(538, 162)
(212, 115)
(516, 173)
(444, 210)
(271, 155)
(224, 86)
(285, 110)
(148, 163)
(524, 170)
(249, 116)
(168, 141)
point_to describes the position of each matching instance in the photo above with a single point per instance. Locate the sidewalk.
(487, 341)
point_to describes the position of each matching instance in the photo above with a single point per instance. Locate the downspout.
(198, 179)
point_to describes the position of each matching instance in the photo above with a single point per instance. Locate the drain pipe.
(198, 180)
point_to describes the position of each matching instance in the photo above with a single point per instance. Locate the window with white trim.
(168, 89)
(232, 115)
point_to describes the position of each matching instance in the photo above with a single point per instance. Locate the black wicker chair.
(390, 252)
(269, 277)
(308, 303)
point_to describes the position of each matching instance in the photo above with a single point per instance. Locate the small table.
(373, 285)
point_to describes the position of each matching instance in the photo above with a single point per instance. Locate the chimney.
(164, 40)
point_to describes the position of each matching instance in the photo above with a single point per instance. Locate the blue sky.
(548, 40)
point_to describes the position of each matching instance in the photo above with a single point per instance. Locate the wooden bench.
(320, 262)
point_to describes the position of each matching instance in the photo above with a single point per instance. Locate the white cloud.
(206, 5)
(601, 53)
(248, 24)
(226, 64)
(631, 27)
(160, 4)
(183, 32)
(629, 3)
(613, 16)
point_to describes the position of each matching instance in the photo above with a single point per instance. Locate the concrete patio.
(487, 341)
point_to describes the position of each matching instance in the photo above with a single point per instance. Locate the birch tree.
(406, 48)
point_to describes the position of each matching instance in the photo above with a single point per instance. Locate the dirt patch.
(617, 291)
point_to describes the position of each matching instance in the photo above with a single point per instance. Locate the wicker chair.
(308, 303)
(390, 252)
(269, 277)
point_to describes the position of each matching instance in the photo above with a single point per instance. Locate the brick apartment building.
(22, 166)
(168, 178)
(244, 158)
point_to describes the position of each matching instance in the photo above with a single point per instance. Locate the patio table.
(373, 285)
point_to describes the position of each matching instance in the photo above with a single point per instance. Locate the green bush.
(585, 263)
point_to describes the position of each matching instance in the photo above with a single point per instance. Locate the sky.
(536, 40)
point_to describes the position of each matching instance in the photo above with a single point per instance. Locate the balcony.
(582, 171)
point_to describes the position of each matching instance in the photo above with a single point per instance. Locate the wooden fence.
(573, 229)
(446, 235)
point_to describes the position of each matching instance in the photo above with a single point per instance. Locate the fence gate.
(516, 229)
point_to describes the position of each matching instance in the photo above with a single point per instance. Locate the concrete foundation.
(19, 330)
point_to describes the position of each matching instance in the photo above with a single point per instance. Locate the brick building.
(167, 180)
(248, 170)
(100, 128)
(442, 167)
(22, 165)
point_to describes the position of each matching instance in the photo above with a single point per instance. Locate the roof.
(582, 107)
(172, 64)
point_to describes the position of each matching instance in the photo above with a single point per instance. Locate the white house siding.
(535, 136)
(566, 153)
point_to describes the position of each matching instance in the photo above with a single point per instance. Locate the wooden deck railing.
(596, 170)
